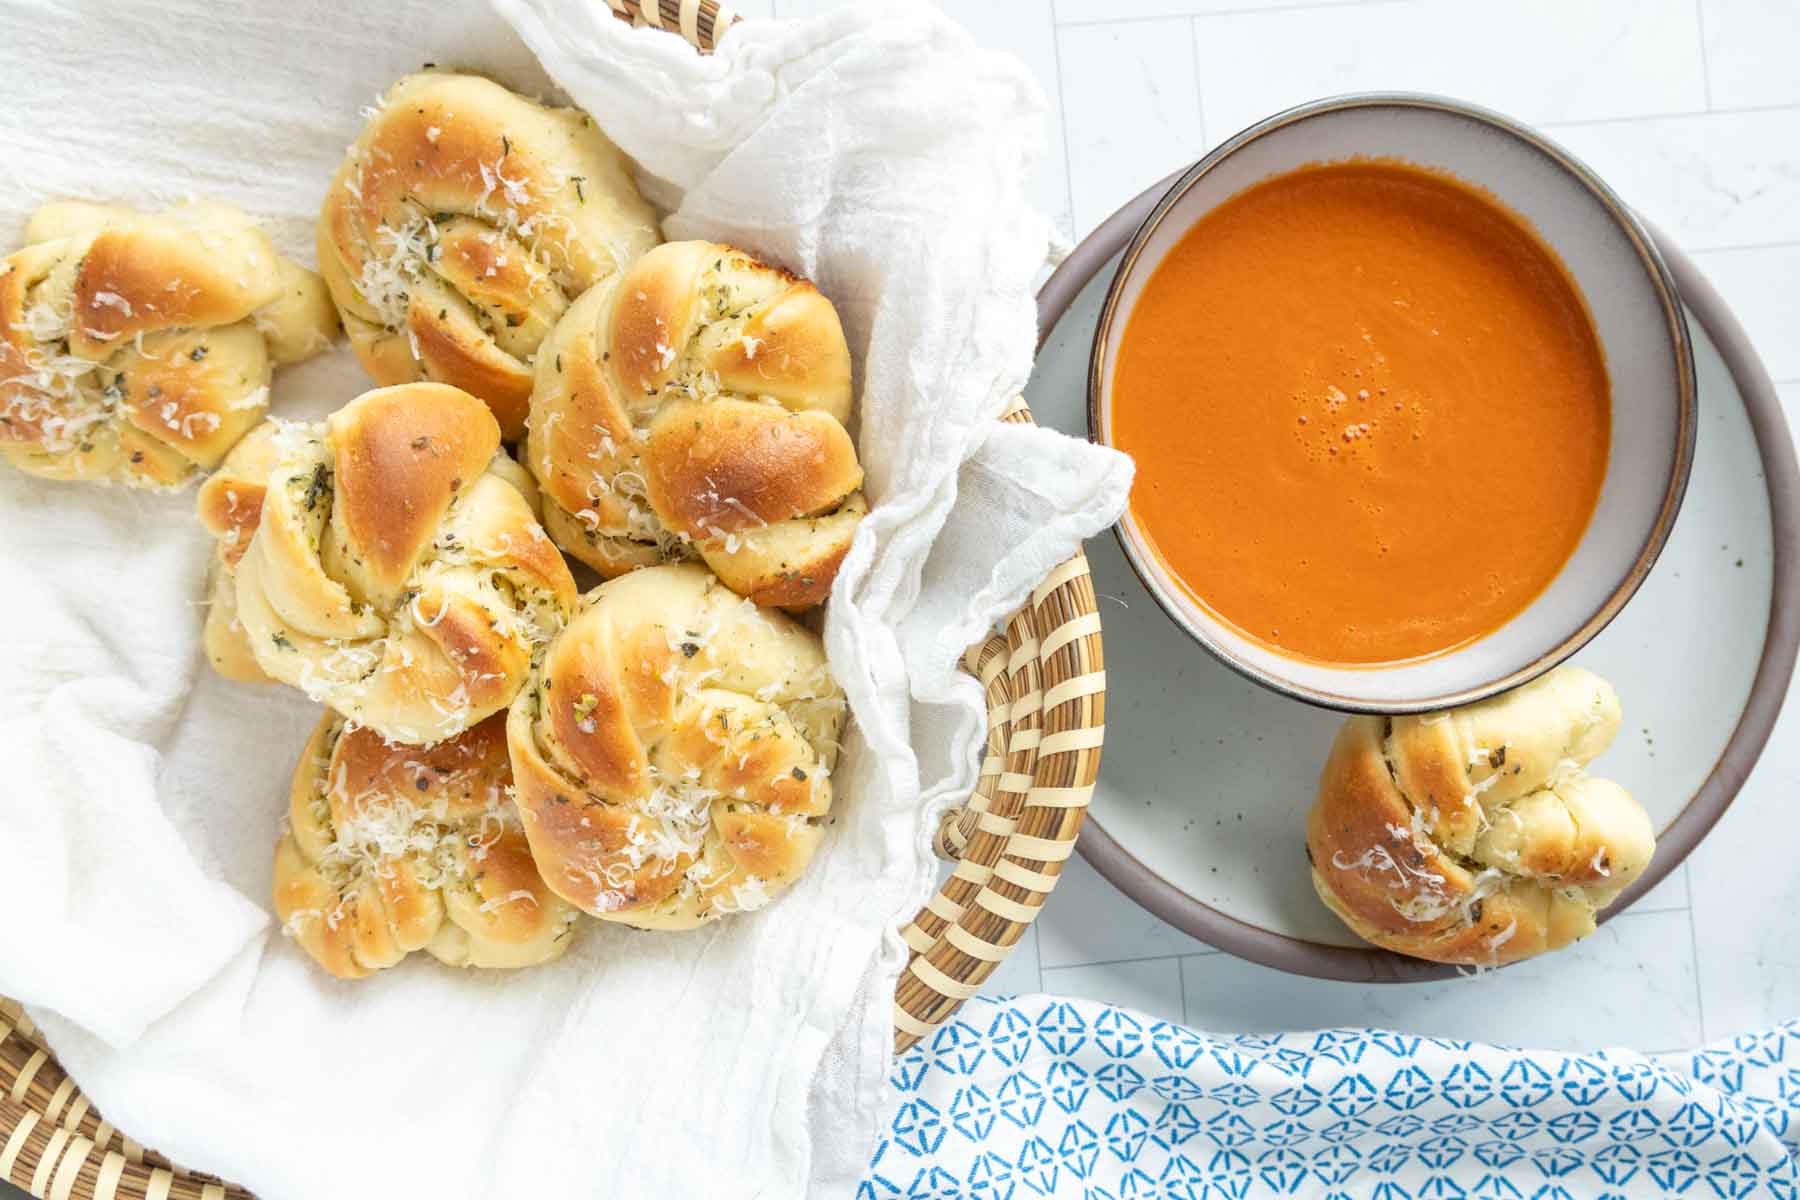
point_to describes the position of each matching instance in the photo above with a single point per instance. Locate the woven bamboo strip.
(986, 662)
(1057, 724)
(699, 21)
(1044, 682)
(41, 1085)
(14, 1023)
(922, 992)
(54, 1162)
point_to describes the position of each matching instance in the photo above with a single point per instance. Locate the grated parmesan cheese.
(111, 300)
(391, 269)
(747, 896)
(516, 896)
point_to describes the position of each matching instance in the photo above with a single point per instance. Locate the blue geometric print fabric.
(1050, 1097)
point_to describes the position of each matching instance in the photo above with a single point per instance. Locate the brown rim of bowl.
(1774, 671)
(1648, 256)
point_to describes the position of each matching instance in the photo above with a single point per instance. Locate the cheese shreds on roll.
(460, 226)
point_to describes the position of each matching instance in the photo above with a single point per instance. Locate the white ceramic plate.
(1635, 314)
(1201, 804)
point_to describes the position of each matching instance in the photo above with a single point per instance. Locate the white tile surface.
(1096, 922)
(1673, 894)
(1017, 974)
(1131, 110)
(1631, 984)
(1762, 285)
(1710, 181)
(1149, 985)
(1541, 60)
(1750, 51)
(1747, 892)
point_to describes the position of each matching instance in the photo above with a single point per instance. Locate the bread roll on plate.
(673, 751)
(392, 849)
(697, 408)
(1475, 836)
(461, 224)
(138, 349)
(396, 574)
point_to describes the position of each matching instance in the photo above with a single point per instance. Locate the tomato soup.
(1369, 411)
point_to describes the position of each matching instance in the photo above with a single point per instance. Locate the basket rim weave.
(1045, 686)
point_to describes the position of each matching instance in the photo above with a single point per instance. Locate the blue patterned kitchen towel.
(1044, 1096)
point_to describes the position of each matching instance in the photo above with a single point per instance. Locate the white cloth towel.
(877, 151)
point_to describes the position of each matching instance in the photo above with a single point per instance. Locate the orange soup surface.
(1369, 412)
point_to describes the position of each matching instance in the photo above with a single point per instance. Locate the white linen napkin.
(875, 150)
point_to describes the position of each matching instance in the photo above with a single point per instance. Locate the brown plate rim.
(1681, 345)
(1781, 641)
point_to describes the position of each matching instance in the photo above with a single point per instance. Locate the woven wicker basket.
(1046, 701)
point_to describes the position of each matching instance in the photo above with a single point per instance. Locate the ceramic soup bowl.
(1642, 333)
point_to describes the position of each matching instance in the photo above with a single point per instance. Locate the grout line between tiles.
(1181, 980)
(1634, 913)
(1705, 70)
(1199, 85)
(1699, 977)
(1062, 117)
(1638, 910)
(1742, 248)
(1125, 962)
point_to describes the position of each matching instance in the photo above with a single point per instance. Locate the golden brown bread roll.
(1474, 836)
(461, 224)
(697, 406)
(393, 575)
(138, 348)
(391, 849)
(673, 751)
(230, 507)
